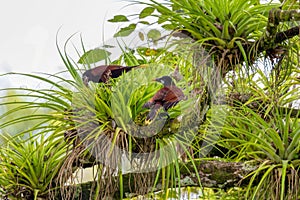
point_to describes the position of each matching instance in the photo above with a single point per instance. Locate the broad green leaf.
(154, 34)
(119, 18)
(169, 26)
(146, 12)
(141, 36)
(93, 56)
(123, 32)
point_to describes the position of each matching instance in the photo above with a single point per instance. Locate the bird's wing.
(172, 97)
(160, 95)
(166, 97)
(157, 98)
(94, 74)
(173, 93)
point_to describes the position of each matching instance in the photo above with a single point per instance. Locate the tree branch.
(276, 16)
(284, 35)
(272, 38)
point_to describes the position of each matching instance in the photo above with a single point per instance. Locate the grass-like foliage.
(262, 128)
(210, 51)
(29, 167)
(105, 120)
(32, 134)
(272, 144)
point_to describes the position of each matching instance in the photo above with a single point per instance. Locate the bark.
(272, 40)
(284, 35)
(272, 37)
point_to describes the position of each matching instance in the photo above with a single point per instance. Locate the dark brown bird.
(103, 73)
(166, 97)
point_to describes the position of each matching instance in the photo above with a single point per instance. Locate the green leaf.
(93, 56)
(123, 32)
(169, 26)
(176, 7)
(141, 36)
(146, 12)
(144, 22)
(154, 34)
(162, 18)
(119, 18)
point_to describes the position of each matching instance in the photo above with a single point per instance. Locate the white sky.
(29, 27)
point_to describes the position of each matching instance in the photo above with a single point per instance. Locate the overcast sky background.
(29, 27)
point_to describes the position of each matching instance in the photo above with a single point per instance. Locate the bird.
(166, 97)
(102, 73)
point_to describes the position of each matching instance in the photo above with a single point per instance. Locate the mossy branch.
(272, 36)
(213, 174)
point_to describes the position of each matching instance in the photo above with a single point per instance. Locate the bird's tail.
(152, 113)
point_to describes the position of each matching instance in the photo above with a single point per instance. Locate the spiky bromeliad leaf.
(31, 166)
(223, 19)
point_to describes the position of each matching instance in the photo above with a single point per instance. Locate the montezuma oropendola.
(103, 73)
(166, 97)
